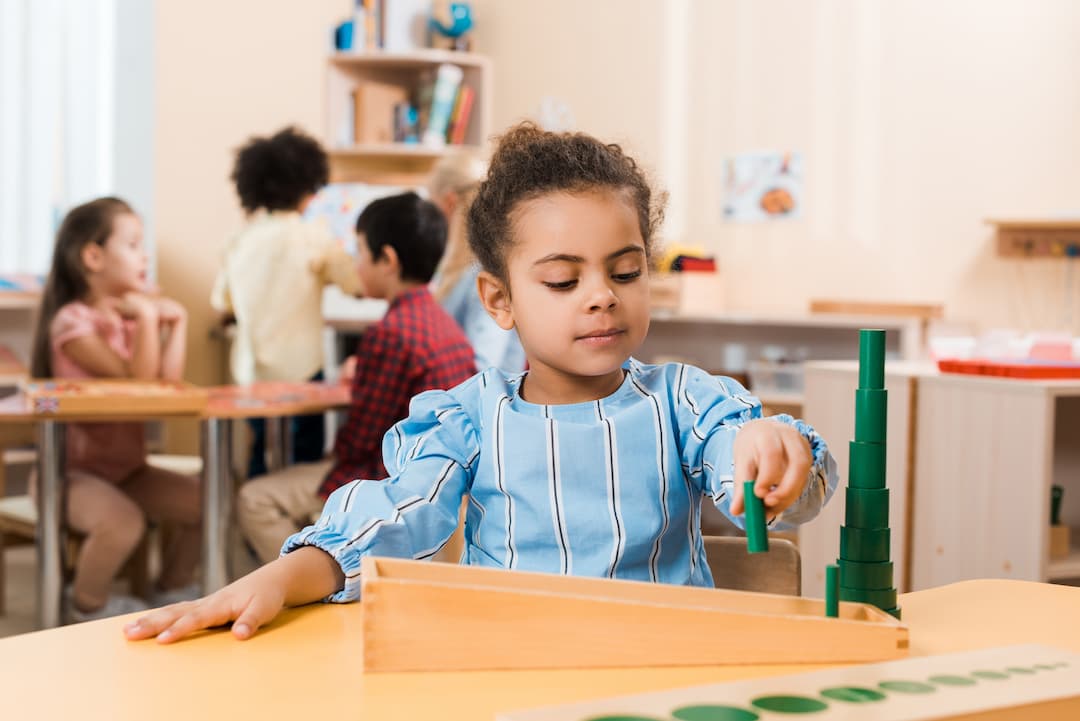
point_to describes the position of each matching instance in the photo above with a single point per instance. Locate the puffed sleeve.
(431, 457)
(710, 411)
(72, 321)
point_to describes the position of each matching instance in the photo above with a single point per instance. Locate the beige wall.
(225, 71)
(917, 120)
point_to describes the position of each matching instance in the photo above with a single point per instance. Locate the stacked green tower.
(866, 571)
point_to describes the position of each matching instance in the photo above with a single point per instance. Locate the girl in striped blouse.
(590, 463)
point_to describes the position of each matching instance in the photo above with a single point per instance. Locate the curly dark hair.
(276, 173)
(530, 162)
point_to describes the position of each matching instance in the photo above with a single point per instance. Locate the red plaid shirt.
(415, 347)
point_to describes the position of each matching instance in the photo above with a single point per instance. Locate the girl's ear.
(496, 299)
(93, 257)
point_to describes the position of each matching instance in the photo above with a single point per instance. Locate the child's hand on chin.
(250, 601)
(775, 456)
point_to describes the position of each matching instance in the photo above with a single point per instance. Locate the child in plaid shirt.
(414, 348)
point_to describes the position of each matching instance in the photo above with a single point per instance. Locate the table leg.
(278, 443)
(217, 494)
(50, 526)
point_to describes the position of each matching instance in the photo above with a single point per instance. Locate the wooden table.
(17, 409)
(308, 665)
(276, 402)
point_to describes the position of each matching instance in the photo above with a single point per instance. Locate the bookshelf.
(396, 163)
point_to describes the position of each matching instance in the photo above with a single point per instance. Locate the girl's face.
(578, 287)
(121, 264)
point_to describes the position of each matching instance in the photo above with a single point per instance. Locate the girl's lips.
(602, 338)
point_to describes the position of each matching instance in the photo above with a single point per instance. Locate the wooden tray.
(421, 616)
(118, 397)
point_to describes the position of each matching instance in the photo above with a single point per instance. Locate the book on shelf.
(374, 111)
(447, 80)
(459, 119)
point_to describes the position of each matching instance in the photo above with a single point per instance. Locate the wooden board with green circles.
(1002, 684)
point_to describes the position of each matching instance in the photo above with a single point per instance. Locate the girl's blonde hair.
(88, 223)
(459, 174)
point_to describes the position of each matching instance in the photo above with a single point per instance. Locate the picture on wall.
(763, 186)
(338, 205)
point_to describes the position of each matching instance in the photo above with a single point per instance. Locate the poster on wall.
(763, 186)
(338, 205)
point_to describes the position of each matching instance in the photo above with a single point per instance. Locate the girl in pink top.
(97, 321)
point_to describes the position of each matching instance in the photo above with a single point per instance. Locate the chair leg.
(3, 585)
(138, 569)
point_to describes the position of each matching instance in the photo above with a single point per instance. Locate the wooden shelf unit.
(398, 163)
(1037, 238)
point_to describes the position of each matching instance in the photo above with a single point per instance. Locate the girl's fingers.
(746, 469)
(771, 463)
(259, 611)
(155, 622)
(798, 462)
(204, 614)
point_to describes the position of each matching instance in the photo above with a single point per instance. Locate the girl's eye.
(627, 277)
(564, 285)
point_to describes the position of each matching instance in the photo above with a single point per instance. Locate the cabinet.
(970, 463)
(397, 163)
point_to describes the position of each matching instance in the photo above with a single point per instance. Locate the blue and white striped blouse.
(609, 488)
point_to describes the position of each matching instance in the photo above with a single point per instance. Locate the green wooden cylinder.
(883, 598)
(864, 544)
(757, 538)
(866, 507)
(858, 574)
(866, 465)
(832, 591)
(871, 407)
(871, 358)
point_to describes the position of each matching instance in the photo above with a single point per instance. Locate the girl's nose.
(603, 298)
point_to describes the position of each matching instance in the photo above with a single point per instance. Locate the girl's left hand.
(169, 311)
(777, 458)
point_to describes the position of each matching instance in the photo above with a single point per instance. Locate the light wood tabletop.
(307, 665)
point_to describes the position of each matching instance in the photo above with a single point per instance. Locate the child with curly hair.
(273, 275)
(590, 463)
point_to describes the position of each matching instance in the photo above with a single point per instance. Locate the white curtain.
(57, 124)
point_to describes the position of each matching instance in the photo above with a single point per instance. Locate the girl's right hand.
(134, 305)
(249, 602)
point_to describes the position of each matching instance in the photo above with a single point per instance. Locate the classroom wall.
(224, 72)
(917, 121)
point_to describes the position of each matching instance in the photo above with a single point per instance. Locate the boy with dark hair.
(414, 348)
(273, 276)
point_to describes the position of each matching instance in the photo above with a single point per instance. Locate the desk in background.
(308, 665)
(275, 401)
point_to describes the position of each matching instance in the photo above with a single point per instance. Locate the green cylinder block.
(884, 598)
(871, 408)
(866, 465)
(871, 359)
(832, 591)
(757, 537)
(864, 544)
(860, 574)
(866, 507)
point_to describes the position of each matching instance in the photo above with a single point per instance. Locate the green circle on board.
(907, 686)
(1045, 667)
(789, 704)
(713, 713)
(990, 675)
(1020, 670)
(948, 680)
(623, 718)
(853, 694)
